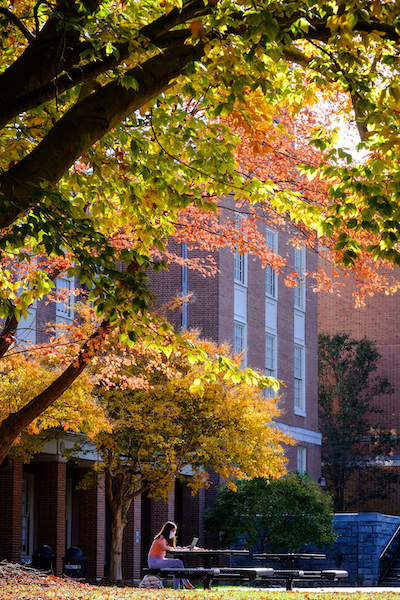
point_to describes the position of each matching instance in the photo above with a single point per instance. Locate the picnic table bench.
(207, 575)
(291, 574)
(288, 574)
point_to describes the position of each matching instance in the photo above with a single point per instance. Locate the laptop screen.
(193, 543)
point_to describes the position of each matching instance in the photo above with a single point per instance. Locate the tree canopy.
(273, 515)
(75, 411)
(168, 431)
(112, 119)
(354, 442)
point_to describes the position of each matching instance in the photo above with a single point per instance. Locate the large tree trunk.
(117, 531)
(119, 504)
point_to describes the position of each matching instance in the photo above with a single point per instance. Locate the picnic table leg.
(289, 585)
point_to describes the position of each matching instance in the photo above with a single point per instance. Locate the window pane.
(299, 265)
(298, 378)
(297, 362)
(239, 267)
(301, 459)
(64, 307)
(238, 338)
(269, 354)
(299, 259)
(297, 394)
(298, 295)
(270, 275)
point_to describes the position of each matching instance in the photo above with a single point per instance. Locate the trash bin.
(44, 559)
(74, 563)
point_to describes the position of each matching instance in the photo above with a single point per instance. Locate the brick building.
(251, 308)
(377, 322)
(245, 305)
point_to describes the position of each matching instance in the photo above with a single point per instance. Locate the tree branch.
(11, 427)
(8, 334)
(84, 124)
(14, 19)
(45, 69)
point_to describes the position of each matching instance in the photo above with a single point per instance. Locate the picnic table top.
(209, 552)
(291, 556)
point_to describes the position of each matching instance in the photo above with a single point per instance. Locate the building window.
(271, 239)
(185, 287)
(65, 304)
(27, 512)
(299, 400)
(239, 341)
(269, 356)
(270, 363)
(238, 338)
(301, 459)
(270, 275)
(239, 268)
(300, 266)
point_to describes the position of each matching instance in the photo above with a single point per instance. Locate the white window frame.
(65, 311)
(299, 380)
(240, 260)
(240, 268)
(301, 459)
(242, 348)
(299, 257)
(270, 362)
(271, 278)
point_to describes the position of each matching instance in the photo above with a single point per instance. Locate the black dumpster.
(44, 559)
(74, 563)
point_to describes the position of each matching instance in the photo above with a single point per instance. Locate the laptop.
(193, 543)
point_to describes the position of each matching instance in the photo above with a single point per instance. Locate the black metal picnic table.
(207, 555)
(289, 558)
(291, 572)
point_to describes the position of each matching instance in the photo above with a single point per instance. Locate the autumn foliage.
(120, 127)
(173, 426)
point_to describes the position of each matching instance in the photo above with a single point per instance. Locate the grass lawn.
(53, 588)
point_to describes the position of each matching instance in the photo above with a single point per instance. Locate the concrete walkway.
(345, 590)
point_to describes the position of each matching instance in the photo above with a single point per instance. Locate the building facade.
(276, 327)
(245, 305)
(377, 321)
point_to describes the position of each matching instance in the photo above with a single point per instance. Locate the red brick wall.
(313, 458)
(377, 321)
(50, 495)
(286, 343)
(88, 508)
(137, 507)
(10, 510)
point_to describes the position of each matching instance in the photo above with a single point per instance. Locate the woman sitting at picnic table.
(166, 540)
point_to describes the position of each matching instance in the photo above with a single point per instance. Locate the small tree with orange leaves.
(158, 432)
